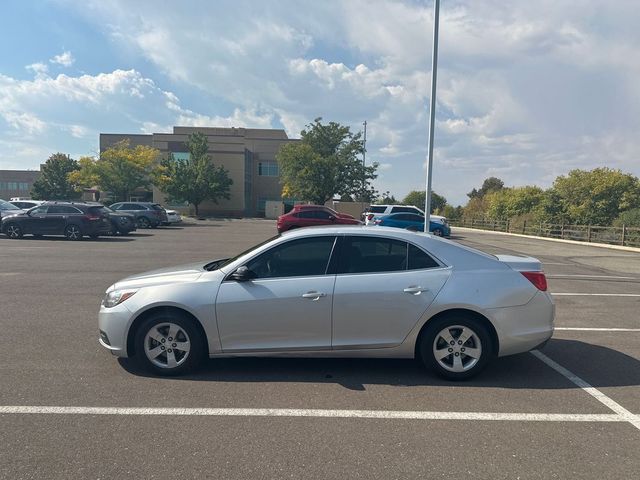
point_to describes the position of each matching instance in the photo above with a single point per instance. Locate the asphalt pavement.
(521, 418)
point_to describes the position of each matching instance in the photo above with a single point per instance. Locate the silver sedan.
(334, 292)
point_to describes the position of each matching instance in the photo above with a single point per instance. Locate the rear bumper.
(524, 327)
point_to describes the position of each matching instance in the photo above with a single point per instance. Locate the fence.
(626, 236)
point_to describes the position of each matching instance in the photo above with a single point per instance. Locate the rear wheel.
(73, 232)
(143, 222)
(456, 346)
(13, 230)
(169, 344)
(437, 232)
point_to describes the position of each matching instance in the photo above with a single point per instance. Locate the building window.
(24, 187)
(13, 186)
(268, 169)
(182, 156)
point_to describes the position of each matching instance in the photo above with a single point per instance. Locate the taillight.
(92, 217)
(538, 279)
(370, 216)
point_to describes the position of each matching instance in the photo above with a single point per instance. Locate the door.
(57, 216)
(37, 222)
(382, 289)
(287, 306)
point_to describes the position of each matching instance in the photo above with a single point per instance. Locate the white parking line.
(596, 294)
(594, 392)
(598, 329)
(316, 413)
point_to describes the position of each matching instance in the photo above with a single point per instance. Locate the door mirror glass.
(242, 274)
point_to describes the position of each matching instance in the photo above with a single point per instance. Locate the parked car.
(172, 217)
(313, 215)
(381, 210)
(147, 214)
(26, 204)
(334, 292)
(8, 209)
(121, 223)
(414, 222)
(71, 219)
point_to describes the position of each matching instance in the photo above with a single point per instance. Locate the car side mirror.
(242, 274)
(332, 218)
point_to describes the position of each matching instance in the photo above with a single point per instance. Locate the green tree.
(417, 199)
(490, 184)
(629, 218)
(597, 196)
(512, 202)
(120, 170)
(196, 179)
(54, 183)
(325, 163)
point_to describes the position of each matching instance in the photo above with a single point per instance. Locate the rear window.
(157, 207)
(97, 210)
(377, 209)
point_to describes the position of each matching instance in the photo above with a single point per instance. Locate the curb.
(559, 240)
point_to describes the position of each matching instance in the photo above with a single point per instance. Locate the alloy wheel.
(14, 231)
(72, 232)
(457, 348)
(167, 345)
(143, 222)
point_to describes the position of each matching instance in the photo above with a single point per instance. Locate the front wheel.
(13, 230)
(73, 232)
(143, 222)
(169, 344)
(438, 232)
(456, 346)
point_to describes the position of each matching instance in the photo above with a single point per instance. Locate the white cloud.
(65, 59)
(40, 69)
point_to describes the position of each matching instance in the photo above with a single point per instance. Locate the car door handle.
(417, 290)
(314, 295)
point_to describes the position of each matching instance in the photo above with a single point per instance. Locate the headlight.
(116, 297)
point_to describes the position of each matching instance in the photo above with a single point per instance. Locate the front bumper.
(113, 323)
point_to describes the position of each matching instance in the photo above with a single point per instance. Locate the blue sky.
(527, 90)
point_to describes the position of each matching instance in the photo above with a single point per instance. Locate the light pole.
(364, 163)
(432, 113)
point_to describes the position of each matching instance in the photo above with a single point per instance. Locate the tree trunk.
(195, 205)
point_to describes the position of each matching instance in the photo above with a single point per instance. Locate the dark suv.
(148, 214)
(71, 219)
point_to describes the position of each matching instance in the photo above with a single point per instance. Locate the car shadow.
(522, 371)
(101, 239)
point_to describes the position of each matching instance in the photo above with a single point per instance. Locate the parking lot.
(570, 411)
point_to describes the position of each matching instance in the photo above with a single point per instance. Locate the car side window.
(419, 259)
(415, 218)
(373, 254)
(298, 258)
(402, 216)
(39, 211)
(321, 215)
(305, 214)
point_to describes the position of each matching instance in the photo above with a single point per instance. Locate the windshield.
(4, 205)
(217, 264)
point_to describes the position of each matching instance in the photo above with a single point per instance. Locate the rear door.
(383, 287)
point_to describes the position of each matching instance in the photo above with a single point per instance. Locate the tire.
(143, 222)
(154, 225)
(155, 355)
(446, 329)
(13, 230)
(73, 232)
(438, 232)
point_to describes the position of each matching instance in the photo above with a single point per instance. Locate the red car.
(310, 215)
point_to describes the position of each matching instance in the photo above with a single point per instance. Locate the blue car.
(411, 221)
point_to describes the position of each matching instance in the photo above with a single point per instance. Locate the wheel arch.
(167, 309)
(465, 311)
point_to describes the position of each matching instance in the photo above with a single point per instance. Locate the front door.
(287, 306)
